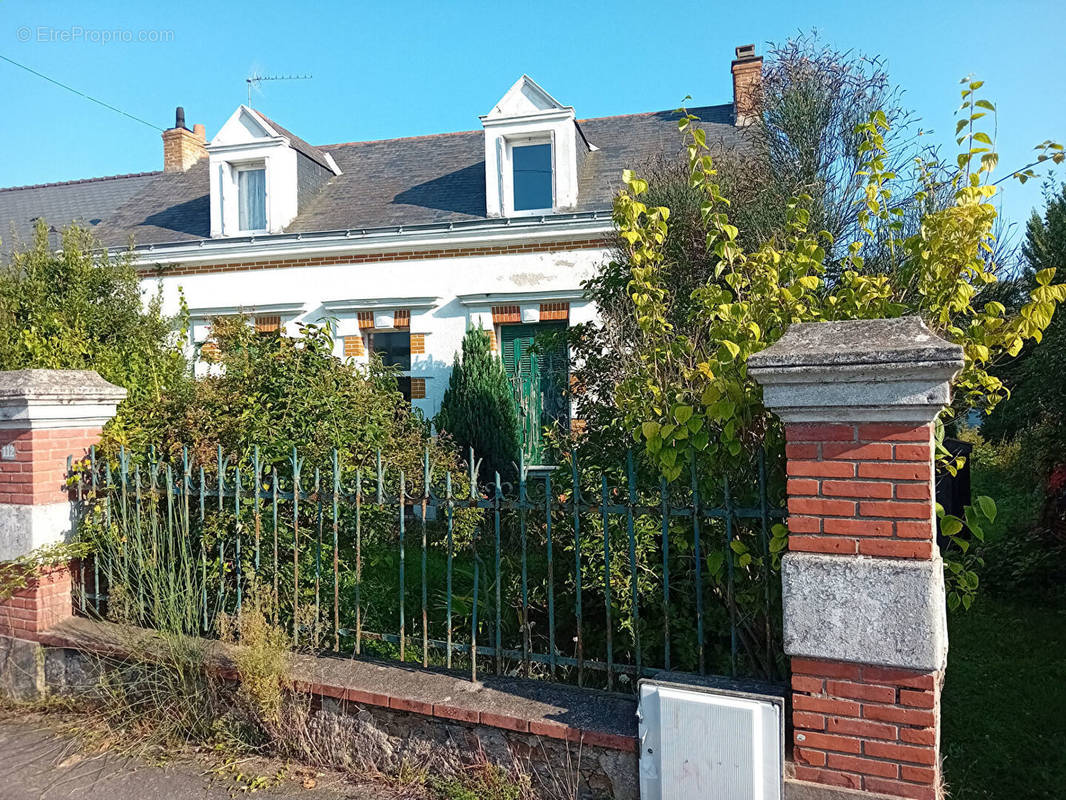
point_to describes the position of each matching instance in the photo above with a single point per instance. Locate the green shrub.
(1019, 553)
(278, 392)
(80, 308)
(479, 409)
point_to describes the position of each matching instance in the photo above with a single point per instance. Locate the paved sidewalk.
(37, 763)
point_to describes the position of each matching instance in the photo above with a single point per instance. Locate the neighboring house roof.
(88, 202)
(392, 182)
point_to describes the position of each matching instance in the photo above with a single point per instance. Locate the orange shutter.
(267, 323)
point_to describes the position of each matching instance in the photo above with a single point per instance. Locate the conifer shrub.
(479, 409)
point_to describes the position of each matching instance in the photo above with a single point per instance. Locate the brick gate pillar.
(863, 587)
(45, 416)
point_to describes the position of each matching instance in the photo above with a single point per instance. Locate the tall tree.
(1037, 377)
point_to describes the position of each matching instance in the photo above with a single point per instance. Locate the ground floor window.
(394, 348)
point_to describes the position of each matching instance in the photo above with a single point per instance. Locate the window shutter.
(507, 346)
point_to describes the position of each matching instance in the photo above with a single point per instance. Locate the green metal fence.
(568, 575)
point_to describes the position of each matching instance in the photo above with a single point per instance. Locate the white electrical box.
(698, 741)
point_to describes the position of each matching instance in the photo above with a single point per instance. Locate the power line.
(80, 94)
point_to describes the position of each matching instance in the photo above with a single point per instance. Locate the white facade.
(443, 295)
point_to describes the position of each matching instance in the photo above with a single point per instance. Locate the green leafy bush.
(80, 308)
(1020, 552)
(685, 395)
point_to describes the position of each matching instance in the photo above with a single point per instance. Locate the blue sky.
(390, 69)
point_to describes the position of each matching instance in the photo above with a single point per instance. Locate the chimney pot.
(181, 147)
(747, 84)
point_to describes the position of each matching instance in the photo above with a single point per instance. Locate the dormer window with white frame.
(532, 148)
(257, 173)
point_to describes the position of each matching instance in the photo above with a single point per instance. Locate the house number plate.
(7, 452)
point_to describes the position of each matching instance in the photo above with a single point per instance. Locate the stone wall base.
(343, 734)
(21, 669)
(379, 735)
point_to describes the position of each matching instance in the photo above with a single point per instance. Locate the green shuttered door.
(538, 377)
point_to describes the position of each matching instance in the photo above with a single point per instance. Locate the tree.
(686, 397)
(479, 409)
(1037, 377)
(805, 141)
(81, 308)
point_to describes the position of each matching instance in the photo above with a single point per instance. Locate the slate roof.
(88, 202)
(417, 180)
(299, 144)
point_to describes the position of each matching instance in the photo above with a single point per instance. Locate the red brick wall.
(864, 489)
(502, 315)
(45, 601)
(37, 476)
(866, 727)
(38, 473)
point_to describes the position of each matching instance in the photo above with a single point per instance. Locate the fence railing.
(568, 575)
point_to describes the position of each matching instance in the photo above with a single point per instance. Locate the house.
(402, 244)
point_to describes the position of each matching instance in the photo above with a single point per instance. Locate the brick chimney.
(747, 84)
(181, 147)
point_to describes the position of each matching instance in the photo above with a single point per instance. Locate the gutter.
(575, 226)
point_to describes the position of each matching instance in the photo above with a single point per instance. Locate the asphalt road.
(37, 763)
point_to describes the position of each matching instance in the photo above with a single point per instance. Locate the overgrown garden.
(290, 499)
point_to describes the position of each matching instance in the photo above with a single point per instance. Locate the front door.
(538, 377)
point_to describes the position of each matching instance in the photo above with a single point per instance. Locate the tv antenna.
(255, 79)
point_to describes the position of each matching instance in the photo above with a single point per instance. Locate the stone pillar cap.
(56, 398)
(48, 383)
(883, 370)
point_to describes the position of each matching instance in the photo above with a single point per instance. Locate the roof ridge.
(653, 113)
(462, 133)
(399, 138)
(82, 180)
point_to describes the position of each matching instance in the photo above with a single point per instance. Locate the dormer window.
(531, 165)
(261, 175)
(251, 197)
(533, 146)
